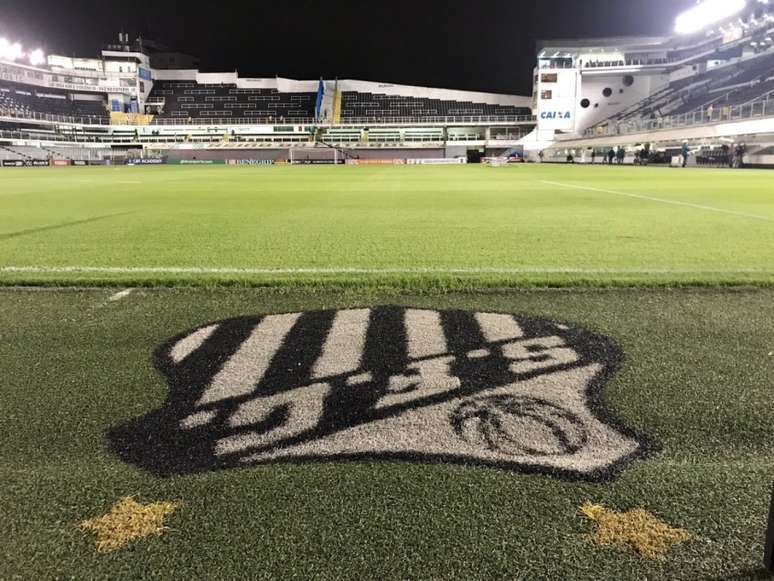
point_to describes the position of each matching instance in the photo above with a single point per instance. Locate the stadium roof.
(628, 42)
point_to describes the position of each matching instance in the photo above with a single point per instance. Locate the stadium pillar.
(768, 558)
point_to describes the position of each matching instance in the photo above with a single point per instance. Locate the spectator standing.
(726, 156)
(739, 155)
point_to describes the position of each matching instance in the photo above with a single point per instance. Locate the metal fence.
(720, 114)
(221, 121)
(441, 119)
(230, 121)
(345, 121)
(32, 116)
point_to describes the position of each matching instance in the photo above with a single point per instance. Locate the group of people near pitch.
(725, 156)
(612, 156)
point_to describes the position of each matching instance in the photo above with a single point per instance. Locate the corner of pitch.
(512, 392)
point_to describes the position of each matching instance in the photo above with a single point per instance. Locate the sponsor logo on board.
(250, 162)
(146, 161)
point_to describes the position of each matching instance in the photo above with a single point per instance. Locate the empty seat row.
(375, 105)
(191, 100)
(28, 100)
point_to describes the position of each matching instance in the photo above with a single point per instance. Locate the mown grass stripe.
(368, 271)
(660, 200)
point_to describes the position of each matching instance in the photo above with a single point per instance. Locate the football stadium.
(330, 328)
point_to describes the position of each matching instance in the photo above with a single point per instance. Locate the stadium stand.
(355, 105)
(17, 152)
(26, 100)
(191, 100)
(712, 92)
(121, 101)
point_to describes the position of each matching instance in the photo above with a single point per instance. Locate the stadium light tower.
(5, 47)
(10, 52)
(37, 57)
(707, 13)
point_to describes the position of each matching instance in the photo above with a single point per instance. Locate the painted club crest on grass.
(386, 383)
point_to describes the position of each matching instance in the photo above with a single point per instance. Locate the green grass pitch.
(697, 377)
(695, 374)
(463, 227)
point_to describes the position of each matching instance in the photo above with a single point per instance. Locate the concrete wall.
(397, 153)
(301, 154)
(600, 108)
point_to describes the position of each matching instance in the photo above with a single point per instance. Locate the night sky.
(483, 45)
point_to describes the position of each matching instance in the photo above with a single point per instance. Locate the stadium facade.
(712, 86)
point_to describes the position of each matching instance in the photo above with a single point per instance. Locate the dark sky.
(484, 45)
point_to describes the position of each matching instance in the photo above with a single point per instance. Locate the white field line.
(365, 271)
(120, 295)
(661, 200)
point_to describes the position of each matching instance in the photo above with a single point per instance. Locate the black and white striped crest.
(384, 383)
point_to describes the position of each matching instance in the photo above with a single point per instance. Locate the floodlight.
(15, 51)
(707, 13)
(37, 57)
(10, 52)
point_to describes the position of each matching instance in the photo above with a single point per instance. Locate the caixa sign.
(556, 115)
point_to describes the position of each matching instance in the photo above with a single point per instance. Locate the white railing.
(30, 135)
(438, 119)
(231, 121)
(33, 116)
(224, 124)
(705, 116)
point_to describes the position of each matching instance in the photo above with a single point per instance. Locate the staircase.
(337, 104)
(52, 153)
(344, 153)
(17, 154)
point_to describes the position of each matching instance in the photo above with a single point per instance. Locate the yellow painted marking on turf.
(637, 530)
(127, 521)
(661, 200)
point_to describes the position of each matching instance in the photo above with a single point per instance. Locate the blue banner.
(320, 96)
